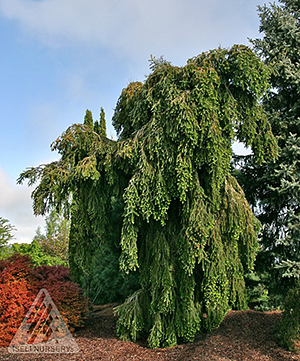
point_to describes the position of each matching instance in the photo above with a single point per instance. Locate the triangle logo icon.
(43, 330)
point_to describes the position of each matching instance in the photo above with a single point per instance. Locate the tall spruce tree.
(88, 118)
(102, 124)
(274, 188)
(186, 226)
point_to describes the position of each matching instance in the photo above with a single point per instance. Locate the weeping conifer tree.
(186, 227)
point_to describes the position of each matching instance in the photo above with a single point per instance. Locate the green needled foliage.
(88, 119)
(274, 188)
(102, 124)
(186, 227)
(6, 235)
(6, 230)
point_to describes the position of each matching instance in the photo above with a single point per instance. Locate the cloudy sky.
(60, 57)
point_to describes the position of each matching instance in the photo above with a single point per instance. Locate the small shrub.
(67, 295)
(37, 255)
(16, 295)
(20, 282)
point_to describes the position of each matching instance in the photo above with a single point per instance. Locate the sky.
(61, 57)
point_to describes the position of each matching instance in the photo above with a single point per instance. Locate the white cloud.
(135, 27)
(16, 206)
(240, 149)
(80, 20)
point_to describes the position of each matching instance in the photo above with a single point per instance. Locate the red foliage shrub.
(16, 295)
(67, 295)
(19, 285)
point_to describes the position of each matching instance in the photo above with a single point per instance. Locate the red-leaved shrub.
(16, 295)
(20, 282)
(67, 295)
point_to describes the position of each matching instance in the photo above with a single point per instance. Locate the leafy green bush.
(37, 255)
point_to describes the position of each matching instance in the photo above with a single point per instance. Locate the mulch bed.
(242, 336)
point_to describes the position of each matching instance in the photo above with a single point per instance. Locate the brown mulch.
(242, 336)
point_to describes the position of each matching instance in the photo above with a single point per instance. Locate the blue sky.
(61, 57)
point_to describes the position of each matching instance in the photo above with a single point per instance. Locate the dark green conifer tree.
(96, 127)
(186, 225)
(273, 189)
(102, 124)
(88, 118)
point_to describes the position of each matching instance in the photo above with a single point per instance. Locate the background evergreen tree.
(88, 118)
(273, 189)
(6, 230)
(55, 241)
(6, 235)
(96, 127)
(186, 227)
(102, 124)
